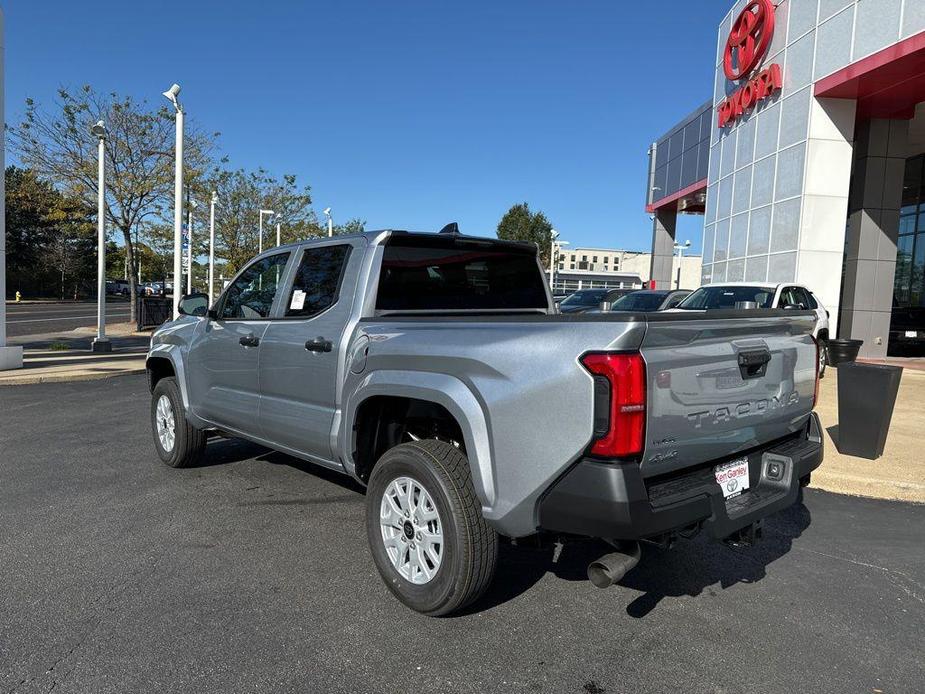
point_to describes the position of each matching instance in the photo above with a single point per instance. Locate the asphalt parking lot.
(251, 573)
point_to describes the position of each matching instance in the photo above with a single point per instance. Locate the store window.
(909, 280)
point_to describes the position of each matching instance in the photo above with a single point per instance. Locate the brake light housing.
(620, 403)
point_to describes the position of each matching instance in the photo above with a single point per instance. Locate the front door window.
(250, 296)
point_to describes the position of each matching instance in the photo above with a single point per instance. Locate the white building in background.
(586, 268)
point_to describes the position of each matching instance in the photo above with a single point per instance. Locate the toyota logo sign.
(747, 43)
(749, 39)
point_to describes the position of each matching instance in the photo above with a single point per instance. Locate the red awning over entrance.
(887, 84)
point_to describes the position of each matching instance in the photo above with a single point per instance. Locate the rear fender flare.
(444, 390)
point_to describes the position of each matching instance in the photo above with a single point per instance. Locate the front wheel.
(178, 443)
(426, 532)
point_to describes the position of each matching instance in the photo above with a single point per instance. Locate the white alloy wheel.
(412, 531)
(166, 423)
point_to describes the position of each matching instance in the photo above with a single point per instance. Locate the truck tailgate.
(718, 385)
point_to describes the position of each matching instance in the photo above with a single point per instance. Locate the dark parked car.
(587, 299)
(647, 300)
(907, 330)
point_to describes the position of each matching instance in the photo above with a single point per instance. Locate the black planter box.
(842, 351)
(866, 395)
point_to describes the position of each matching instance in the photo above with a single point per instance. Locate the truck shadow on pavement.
(688, 569)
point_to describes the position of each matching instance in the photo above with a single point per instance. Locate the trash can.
(842, 351)
(866, 395)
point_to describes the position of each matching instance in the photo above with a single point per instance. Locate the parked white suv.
(729, 295)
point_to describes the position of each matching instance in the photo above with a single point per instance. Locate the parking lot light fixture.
(101, 343)
(260, 225)
(327, 213)
(212, 245)
(172, 95)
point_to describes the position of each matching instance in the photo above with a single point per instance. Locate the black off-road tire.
(189, 441)
(470, 553)
(823, 356)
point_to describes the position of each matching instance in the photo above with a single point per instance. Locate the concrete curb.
(68, 378)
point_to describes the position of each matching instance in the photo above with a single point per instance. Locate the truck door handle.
(319, 344)
(249, 341)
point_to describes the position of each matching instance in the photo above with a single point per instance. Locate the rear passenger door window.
(316, 285)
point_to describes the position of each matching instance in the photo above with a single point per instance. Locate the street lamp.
(172, 95)
(189, 248)
(101, 343)
(327, 213)
(212, 244)
(680, 249)
(260, 240)
(554, 245)
(277, 231)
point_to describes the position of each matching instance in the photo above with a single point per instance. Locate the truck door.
(302, 351)
(223, 355)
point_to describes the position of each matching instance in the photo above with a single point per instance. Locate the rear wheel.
(178, 443)
(426, 532)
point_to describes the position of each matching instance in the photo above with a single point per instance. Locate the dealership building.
(807, 160)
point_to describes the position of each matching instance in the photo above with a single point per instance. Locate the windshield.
(638, 301)
(585, 297)
(710, 298)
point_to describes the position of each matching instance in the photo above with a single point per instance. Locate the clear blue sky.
(408, 114)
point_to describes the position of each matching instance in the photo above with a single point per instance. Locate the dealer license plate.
(912, 333)
(732, 477)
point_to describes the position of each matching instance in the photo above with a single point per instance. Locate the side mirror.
(195, 304)
(792, 307)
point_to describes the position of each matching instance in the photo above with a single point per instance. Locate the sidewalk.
(77, 363)
(900, 472)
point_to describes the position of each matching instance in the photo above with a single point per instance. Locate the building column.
(873, 228)
(664, 223)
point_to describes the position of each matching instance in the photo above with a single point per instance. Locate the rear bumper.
(613, 501)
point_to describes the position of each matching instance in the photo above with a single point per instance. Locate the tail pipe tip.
(610, 568)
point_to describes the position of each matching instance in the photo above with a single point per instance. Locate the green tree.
(58, 145)
(241, 194)
(351, 226)
(520, 224)
(45, 227)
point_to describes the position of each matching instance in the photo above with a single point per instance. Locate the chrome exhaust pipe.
(610, 568)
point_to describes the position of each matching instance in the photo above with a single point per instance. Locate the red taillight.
(626, 376)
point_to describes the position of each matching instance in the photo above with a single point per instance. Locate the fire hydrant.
(18, 297)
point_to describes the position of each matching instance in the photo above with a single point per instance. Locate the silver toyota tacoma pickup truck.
(434, 369)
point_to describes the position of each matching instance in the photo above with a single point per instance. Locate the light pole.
(554, 245)
(327, 213)
(10, 356)
(277, 231)
(172, 95)
(679, 247)
(101, 343)
(212, 244)
(189, 248)
(260, 240)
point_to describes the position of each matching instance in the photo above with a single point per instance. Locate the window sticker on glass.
(298, 300)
